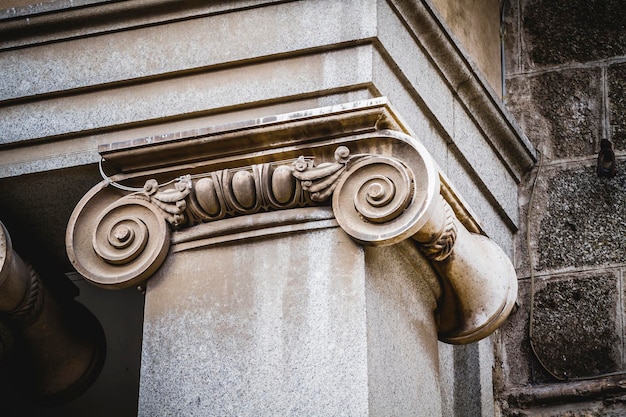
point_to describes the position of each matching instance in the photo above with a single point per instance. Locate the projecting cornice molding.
(348, 165)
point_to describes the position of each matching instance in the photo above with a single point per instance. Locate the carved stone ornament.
(382, 185)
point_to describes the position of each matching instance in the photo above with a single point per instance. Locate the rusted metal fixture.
(59, 345)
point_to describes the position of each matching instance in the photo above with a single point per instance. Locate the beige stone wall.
(476, 25)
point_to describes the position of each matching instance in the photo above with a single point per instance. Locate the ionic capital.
(381, 184)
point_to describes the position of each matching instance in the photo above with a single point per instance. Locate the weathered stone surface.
(561, 110)
(576, 330)
(584, 219)
(537, 393)
(466, 363)
(559, 79)
(511, 38)
(606, 408)
(241, 342)
(616, 76)
(399, 307)
(576, 325)
(558, 32)
(209, 41)
(515, 351)
(475, 23)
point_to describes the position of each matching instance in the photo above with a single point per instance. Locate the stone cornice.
(382, 186)
(472, 96)
(466, 81)
(25, 26)
(59, 21)
(219, 146)
(229, 140)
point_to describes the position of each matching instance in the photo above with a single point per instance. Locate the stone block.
(515, 353)
(187, 95)
(496, 226)
(479, 154)
(164, 49)
(560, 32)
(414, 113)
(561, 110)
(418, 68)
(580, 220)
(577, 329)
(616, 77)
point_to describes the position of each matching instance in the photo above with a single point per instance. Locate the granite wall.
(566, 86)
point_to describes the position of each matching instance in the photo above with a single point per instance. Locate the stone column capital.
(220, 184)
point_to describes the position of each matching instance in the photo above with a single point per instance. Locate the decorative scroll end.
(62, 345)
(478, 280)
(378, 200)
(480, 289)
(125, 242)
(119, 241)
(171, 202)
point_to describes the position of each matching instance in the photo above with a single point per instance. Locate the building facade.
(565, 86)
(223, 137)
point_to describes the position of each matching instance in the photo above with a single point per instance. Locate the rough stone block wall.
(566, 86)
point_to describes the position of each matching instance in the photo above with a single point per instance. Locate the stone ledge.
(550, 394)
(47, 22)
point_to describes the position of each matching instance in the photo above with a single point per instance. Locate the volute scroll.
(119, 244)
(377, 199)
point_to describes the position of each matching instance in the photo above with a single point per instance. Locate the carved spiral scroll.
(129, 241)
(371, 198)
(379, 200)
(119, 240)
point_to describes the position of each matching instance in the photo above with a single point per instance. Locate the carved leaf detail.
(170, 201)
(440, 248)
(320, 181)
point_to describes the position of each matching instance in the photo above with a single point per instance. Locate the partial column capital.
(353, 163)
(62, 345)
